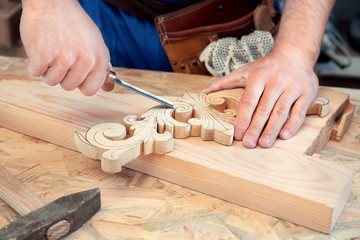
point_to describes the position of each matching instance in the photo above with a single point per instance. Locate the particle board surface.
(281, 181)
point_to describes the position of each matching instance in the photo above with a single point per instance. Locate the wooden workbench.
(136, 205)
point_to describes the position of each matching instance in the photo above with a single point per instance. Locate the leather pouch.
(186, 32)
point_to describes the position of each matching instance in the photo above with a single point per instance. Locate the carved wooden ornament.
(195, 114)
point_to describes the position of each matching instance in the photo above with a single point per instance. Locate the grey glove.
(227, 54)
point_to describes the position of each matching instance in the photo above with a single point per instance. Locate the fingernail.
(238, 135)
(249, 142)
(266, 140)
(285, 134)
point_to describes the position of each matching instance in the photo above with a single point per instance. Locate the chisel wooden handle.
(16, 194)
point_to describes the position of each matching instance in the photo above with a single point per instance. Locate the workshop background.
(338, 65)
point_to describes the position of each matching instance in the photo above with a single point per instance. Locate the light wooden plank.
(281, 181)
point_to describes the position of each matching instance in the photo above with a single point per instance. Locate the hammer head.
(75, 208)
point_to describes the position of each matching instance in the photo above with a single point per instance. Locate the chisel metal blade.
(112, 77)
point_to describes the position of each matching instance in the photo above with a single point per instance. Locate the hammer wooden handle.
(16, 194)
(44, 221)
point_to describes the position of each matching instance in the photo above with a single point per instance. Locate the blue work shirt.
(132, 42)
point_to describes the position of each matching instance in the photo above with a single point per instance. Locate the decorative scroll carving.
(108, 142)
(210, 117)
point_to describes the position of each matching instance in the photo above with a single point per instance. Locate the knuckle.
(103, 63)
(277, 79)
(64, 59)
(300, 113)
(37, 68)
(85, 59)
(248, 100)
(86, 62)
(263, 110)
(281, 111)
(35, 71)
(253, 130)
(45, 58)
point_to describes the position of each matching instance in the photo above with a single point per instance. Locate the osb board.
(281, 181)
(139, 206)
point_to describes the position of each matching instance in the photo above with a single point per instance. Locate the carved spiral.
(106, 134)
(183, 111)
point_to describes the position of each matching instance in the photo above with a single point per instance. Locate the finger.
(261, 115)
(55, 74)
(37, 67)
(77, 73)
(233, 80)
(93, 82)
(58, 68)
(73, 79)
(246, 107)
(278, 118)
(297, 117)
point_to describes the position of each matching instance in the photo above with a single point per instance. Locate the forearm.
(41, 3)
(302, 27)
(41, 6)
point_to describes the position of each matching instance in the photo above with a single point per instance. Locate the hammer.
(40, 221)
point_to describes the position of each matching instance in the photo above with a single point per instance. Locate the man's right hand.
(64, 45)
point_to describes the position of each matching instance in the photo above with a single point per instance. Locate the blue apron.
(132, 42)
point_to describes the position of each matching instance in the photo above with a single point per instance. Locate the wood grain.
(343, 123)
(281, 181)
(17, 195)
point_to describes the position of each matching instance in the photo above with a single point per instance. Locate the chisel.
(112, 77)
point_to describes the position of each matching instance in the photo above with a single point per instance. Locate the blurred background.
(343, 68)
(338, 64)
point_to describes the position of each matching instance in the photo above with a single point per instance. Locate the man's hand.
(64, 45)
(283, 82)
(275, 86)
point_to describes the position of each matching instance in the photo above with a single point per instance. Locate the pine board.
(281, 181)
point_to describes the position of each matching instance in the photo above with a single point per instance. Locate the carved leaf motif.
(195, 114)
(207, 122)
(116, 144)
